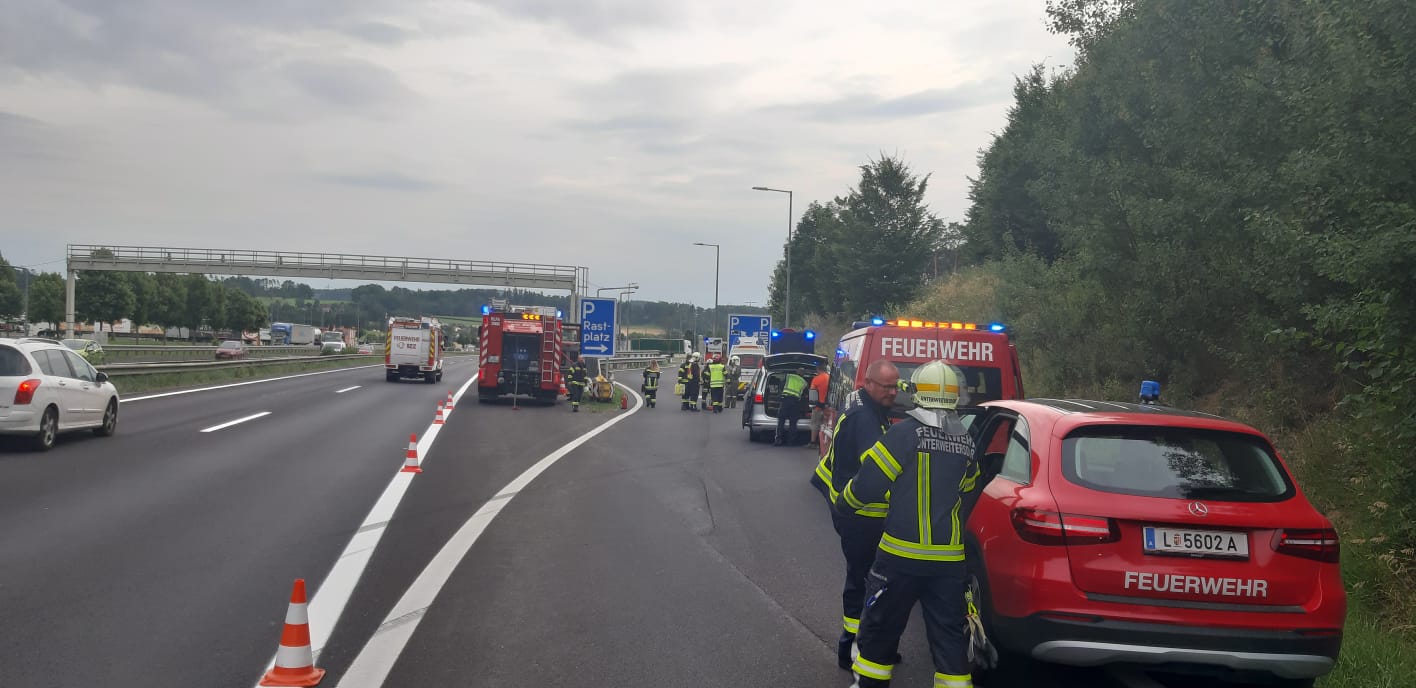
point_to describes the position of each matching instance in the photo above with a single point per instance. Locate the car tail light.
(24, 394)
(1318, 544)
(1051, 528)
(757, 398)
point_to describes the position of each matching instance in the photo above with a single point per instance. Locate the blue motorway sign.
(597, 327)
(759, 326)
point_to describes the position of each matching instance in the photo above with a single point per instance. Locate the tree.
(46, 298)
(145, 293)
(11, 299)
(169, 303)
(199, 302)
(103, 296)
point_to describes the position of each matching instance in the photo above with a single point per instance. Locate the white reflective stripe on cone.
(294, 657)
(297, 614)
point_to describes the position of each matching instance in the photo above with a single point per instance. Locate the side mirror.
(101, 378)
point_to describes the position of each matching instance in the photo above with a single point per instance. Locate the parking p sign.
(759, 326)
(597, 327)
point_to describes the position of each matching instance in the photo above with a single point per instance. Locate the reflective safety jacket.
(926, 471)
(794, 386)
(856, 430)
(685, 372)
(716, 375)
(651, 379)
(578, 375)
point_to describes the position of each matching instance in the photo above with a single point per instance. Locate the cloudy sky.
(605, 133)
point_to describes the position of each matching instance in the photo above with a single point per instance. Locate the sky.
(610, 134)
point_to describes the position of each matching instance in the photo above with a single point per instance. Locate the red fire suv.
(1135, 533)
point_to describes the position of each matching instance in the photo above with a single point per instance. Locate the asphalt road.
(666, 551)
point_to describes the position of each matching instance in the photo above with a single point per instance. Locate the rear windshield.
(12, 362)
(1178, 463)
(749, 360)
(980, 384)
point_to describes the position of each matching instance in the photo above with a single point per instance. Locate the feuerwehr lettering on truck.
(909, 347)
(1196, 585)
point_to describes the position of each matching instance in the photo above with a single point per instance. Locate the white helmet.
(734, 360)
(935, 386)
(695, 356)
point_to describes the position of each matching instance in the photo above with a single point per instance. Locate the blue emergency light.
(877, 321)
(559, 315)
(776, 334)
(486, 310)
(996, 327)
(1150, 391)
(810, 335)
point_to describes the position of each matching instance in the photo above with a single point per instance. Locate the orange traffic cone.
(449, 401)
(438, 419)
(410, 464)
(295, 660)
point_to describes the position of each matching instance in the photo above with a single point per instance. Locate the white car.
(46, 389)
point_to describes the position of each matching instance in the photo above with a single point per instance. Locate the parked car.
(366, 348)
(332, 348)
(759, 409)
(46, 388)
(1135, 533)
(88, 348)
(231, 350)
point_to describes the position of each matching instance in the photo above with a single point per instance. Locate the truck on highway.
(520, 352)
(414, 348)
(292, 334)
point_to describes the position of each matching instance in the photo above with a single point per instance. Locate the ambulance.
(982, 353)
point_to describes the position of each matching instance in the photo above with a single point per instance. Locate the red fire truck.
(520, 352)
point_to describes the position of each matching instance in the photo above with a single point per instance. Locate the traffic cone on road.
(449, 401)
(438, 419)
(411, 463)
(294, 659)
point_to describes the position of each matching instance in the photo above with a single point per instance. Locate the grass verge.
(129, 385)
(1372, 657)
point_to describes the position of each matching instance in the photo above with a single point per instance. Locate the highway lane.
(164, 555)
(669, 551)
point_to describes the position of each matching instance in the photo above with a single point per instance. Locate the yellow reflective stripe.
(851, 498)
(874, 670)
(915, 550)
(851, 625)
(873, 511)
(953, 680)
(824, 473)
(885, 460)
(954, 521)
(966, 484)
(922, 500)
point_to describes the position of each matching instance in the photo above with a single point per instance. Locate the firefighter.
(926, 464)
(716, 373)
(703, 381)
(789, 407)
(733, 373)
(576, 379)
(650, 386)
(689, 375)
(864, 422)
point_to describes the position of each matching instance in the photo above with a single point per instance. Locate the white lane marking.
(248, 382)
(327, 604)
(238, 421)
(370, 668)
(347, 389)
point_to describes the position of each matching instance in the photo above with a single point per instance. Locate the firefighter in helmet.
(650, 386)
(733, 372)
(576, 378)
(925, 463)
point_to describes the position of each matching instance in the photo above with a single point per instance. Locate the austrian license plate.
(1204, 543)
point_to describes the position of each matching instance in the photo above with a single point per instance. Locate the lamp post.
(716, 254)
(787, 309)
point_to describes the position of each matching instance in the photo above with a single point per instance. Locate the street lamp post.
(787, 309)
(716, 254)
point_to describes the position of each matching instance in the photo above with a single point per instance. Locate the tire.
(440, 376)
(110, 420)
(48, 430)
(391, 377)
(430, 378)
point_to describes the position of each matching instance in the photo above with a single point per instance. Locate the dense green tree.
(102, 296)
(46, 298)
(11, 298)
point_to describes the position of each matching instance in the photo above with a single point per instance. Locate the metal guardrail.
(610, 366)
(129, 369)
(149, 353)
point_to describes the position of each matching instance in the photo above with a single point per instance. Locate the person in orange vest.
(819, 384)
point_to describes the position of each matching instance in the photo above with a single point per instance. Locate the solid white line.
(248, 382)
(238, 421)
(371, 667)
(347, 389)
(327, 603)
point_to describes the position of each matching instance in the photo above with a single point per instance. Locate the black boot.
(843, 650)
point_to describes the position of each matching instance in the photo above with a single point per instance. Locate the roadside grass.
(1372, 656)
(129, 385)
